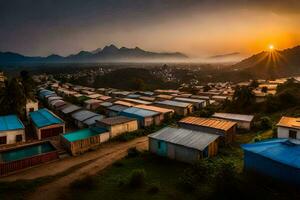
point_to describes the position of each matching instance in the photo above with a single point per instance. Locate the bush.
(199, 172)
(133, 152)
(137, 178)
(153, 189)
(265, 123)
(85, 183)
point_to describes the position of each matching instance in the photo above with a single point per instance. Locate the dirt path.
(93, 163)
(56, 167)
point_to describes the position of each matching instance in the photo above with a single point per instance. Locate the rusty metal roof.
(155, 108)
(209, 122)
(290, 122)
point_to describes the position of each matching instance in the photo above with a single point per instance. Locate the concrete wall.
(11, 135)
(283, 132)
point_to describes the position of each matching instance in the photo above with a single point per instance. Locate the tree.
(13, 99)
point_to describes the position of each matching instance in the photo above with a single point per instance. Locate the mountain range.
(271, 64)
(107, 54)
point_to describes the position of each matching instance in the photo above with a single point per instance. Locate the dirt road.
(87, 164)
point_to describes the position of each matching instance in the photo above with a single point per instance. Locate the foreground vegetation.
(146, 176)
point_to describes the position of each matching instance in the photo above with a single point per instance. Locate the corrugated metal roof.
(136, 101)
(10, 122)
(124, 103)
(54, 98)
(188, 138)
(70, 108)
(140, 112)
(209, 122)
(232, 116)
(117, 108)
(280, 150)
(189, 100)
(116, 120)
(155, 108)
(290, 122)
(83, 115)
(93, 120)
(164, 96)
(174, 103)
(80, 134)
(44, 117)
(91, 101)
(106, 104)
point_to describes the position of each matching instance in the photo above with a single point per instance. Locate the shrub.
(132, 152)
(265, 123)
(197, 173)
(153, 189)
(85, 183)
(137, 178)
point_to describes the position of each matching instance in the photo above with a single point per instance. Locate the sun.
(271, 47)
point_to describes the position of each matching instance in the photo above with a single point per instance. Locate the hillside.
(271, 64)
(132, 79)
(107, 54)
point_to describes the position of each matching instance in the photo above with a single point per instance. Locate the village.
(66, 121)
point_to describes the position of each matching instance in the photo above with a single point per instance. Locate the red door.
(51, 132)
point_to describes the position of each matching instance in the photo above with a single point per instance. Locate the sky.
(198, 28)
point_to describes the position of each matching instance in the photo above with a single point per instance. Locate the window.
(3, 140)
(292, 134)
(159, 144)
(19, 138)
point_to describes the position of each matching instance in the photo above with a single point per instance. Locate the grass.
(162, 177)
(161, 180)
(17, 190)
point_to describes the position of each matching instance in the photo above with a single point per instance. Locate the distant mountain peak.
(108, 53)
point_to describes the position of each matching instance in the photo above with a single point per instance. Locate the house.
(243, 121)
(197, 103)
(46, 124)
(124, 103)
(12, 130)
(162, 97)
(180, 108)
(82, 115)
(118, 125)
(146, 98)
(56, 104)
(277, 158)
(288, 127)
(144, 117)
(160, 91)
(137, 101)
(92, 121)
(81, 141)
(226, 129)
(115, 110)
(69, 109)
(31, 105)
(46, 93)
(92, 104)
(165, 113)
(183, 144)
